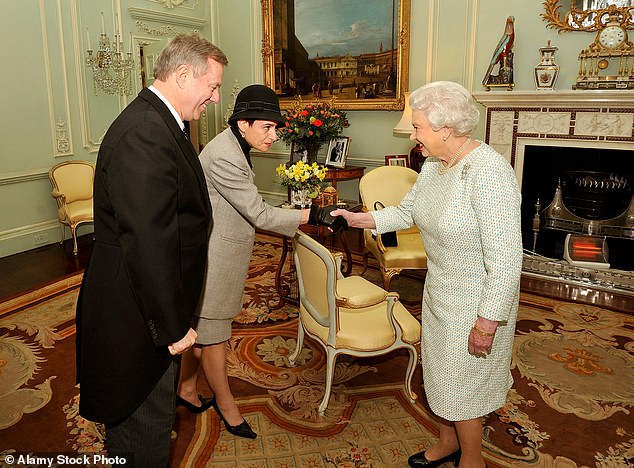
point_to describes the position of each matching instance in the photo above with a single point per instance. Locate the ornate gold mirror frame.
(372, 80)
(580, 18)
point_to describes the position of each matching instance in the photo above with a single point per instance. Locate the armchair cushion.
(80, 210)
(367, 329)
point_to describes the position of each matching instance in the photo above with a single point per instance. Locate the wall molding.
(29, 229)
(23, 177)
(214, 27)
(60, 148)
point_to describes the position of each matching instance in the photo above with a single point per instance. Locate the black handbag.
(388, 239)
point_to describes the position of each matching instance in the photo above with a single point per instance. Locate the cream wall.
(50, 113)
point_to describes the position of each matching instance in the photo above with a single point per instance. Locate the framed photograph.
(358, 54)
(397, 160)
(337, 152)
(297, 153)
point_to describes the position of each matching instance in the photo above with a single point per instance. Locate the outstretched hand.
(184, 343)
(357, 220)
(322, 216)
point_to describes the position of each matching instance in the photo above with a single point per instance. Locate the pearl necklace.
(444, 169)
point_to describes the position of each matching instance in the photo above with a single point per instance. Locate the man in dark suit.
(146, 273)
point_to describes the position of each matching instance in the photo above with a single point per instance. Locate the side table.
(335, 174)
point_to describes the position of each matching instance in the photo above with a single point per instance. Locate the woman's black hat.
(256, 102)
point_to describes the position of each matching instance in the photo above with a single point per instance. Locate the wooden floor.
(30, 270)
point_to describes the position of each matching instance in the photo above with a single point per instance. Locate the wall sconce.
(110, 71)
(404, 127)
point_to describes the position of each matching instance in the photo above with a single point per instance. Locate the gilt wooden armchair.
(388, 185)
(72, 183)
(348, 315)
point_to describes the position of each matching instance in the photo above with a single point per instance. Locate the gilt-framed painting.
(355, 51)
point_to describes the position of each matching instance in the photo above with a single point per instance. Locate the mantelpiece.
(557, 118)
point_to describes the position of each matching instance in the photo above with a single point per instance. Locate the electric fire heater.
(586, 251)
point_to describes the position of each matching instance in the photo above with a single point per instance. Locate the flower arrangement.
(311, 125)
(302, 176)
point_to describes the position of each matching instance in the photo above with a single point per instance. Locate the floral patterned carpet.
(570, 406)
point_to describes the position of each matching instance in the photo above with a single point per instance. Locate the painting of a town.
(353, 50)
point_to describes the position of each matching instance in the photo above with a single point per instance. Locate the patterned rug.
(570, 406)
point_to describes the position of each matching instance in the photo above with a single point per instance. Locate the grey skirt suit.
(238, 210)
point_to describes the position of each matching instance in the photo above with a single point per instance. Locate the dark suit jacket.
(145, 276)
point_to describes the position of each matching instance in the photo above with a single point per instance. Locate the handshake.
(320, 216)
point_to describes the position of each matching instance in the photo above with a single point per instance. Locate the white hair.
(446, 104)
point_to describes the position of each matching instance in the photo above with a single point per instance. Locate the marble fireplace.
(551, 137)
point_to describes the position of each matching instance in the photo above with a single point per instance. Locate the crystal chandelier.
(111, 72)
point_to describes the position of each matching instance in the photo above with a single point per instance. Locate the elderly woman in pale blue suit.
(466, 203)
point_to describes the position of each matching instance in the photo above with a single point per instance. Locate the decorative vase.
(546, 71)
(301, 198)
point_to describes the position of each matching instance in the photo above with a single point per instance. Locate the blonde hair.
(189, 49)
(446, 104)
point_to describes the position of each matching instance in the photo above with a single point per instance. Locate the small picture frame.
(397, 160)
(297, 153)
(337, 152)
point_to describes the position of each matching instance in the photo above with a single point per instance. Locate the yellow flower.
(302, 176)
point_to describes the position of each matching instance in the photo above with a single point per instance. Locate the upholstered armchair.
(388, 185)
(348, 315)
(72, 183)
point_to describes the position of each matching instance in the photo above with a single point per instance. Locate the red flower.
(310, 132)
(304, 113)
(318, 123)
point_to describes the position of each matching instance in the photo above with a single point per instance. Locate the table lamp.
(404, 127)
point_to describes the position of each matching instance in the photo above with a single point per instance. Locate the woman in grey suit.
(238, 210)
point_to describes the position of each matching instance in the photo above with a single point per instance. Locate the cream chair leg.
(73, 231)
(411, 366)
(300, 342)
(331, 358)
(61, 232)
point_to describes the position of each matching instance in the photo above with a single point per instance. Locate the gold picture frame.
(367, 81)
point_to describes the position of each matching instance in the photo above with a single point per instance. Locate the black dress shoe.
(419, 460)
(241, 430)
(205, 404)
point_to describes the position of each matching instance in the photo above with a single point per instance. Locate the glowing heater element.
(586, 251)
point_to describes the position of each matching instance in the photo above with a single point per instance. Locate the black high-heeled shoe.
(241, 430)
(205, 404)
(418, 460)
